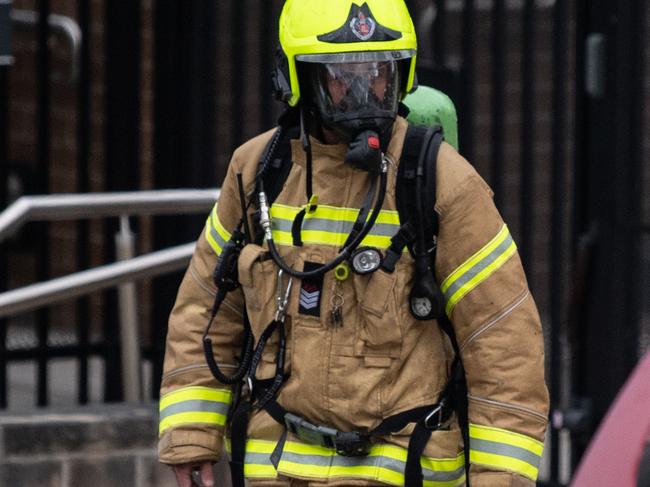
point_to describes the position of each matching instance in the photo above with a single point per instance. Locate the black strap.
(357, 227)
(417, 140)
(404, 237)
(238, 434)
(296, 228)
(413, 471)
(399, 421)
(280, 375)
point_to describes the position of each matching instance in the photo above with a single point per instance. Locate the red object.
(614, 455)
(373, 142)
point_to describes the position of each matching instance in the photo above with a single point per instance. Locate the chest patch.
(310, 292)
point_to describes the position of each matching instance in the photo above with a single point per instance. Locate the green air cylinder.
(430, 107)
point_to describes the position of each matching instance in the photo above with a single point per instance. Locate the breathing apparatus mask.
(356, 95)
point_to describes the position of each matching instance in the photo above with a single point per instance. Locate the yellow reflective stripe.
(225, 234)
(385, 463)
(194, 393)
(194, 404)
(215, 233)
(208, 236)
(505, 450)
(333, 213)
(327, 238)
(504, 436)
(258, 459)
(504, 463)
(260, 446)
(317, 472)
(478, 268)
(260, 471)
(192, 418)
(329, 225)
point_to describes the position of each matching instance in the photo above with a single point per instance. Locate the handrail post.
(128, 311)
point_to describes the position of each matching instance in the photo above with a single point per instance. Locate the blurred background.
(553, 101)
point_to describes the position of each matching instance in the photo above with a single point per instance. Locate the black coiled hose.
(345, 253)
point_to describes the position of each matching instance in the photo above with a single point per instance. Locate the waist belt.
(427, 419)
(356, 443)
(348, 444)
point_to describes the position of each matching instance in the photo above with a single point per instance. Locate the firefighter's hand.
(194, 475)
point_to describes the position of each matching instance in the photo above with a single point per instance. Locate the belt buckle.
(352, 444)
(308, 432)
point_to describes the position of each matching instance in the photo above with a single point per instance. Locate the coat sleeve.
(193, 405)
(497, 326)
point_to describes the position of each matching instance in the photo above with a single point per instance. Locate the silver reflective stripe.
(502, 449)
(369, 461)
(258, 458)
(196, 406)
(472, 272)
(334, 226)
(215, 235)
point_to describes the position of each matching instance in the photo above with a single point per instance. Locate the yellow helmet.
(329, 31)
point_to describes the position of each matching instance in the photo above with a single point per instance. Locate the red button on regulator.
(373, 142)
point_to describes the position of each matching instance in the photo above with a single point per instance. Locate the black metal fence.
(550, 96)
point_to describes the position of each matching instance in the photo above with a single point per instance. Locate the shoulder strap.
(421, 146)
(416, 141)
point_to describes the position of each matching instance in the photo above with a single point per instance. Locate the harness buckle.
(308, 432)
(352, 444)
(440, 417)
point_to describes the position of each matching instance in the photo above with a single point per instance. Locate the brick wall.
(104, 446)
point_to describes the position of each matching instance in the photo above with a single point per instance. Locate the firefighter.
(350, 371)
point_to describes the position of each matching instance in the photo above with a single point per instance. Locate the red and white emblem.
(363, 27)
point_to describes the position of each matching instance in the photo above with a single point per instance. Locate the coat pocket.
(258, 278)
(381, 330)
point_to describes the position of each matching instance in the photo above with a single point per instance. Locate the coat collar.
(333, 154)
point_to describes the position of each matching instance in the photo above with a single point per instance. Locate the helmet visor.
(350, 90)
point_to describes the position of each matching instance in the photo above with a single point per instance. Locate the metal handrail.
(86, 282)
(121, 274)
(97, 205)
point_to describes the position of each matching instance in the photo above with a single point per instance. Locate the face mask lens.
(341, 88)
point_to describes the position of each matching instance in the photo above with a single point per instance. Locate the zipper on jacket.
(189, 368)
(511, 407)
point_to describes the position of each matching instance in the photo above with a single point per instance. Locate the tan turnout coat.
(381, 361)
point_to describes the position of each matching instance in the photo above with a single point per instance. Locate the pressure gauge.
(421, 307)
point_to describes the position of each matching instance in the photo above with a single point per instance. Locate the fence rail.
(121, 274)
(99, 205)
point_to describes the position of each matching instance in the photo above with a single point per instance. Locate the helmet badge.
(362, 26)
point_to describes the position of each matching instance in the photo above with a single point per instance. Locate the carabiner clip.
(282, 296)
